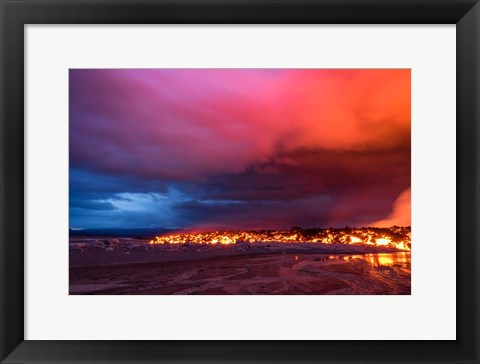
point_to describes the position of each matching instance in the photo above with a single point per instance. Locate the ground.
(256, 270)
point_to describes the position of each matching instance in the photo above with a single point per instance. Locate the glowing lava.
(394, 237)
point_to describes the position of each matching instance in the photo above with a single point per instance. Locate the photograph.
(239, 181)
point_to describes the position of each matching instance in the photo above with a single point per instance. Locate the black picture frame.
(17, 13)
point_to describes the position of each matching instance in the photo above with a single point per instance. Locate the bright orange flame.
(382, 241)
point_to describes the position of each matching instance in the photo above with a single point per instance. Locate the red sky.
(241, 148)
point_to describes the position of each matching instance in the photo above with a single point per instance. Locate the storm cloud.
(239, 148)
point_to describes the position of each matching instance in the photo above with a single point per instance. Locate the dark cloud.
(238, 148)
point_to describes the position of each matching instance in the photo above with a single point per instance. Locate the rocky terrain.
(102, 251)
(295, 261)
(367, 274)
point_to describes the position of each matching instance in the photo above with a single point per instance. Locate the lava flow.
(393, 237)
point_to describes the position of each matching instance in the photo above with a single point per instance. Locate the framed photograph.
(240, 181)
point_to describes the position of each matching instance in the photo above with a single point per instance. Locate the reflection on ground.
(400, 259)
(327, 274)
(389, 259)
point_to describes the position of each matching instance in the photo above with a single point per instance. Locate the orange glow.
(401, 211)
(386, 259)
(382, 241)
(395, 237)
